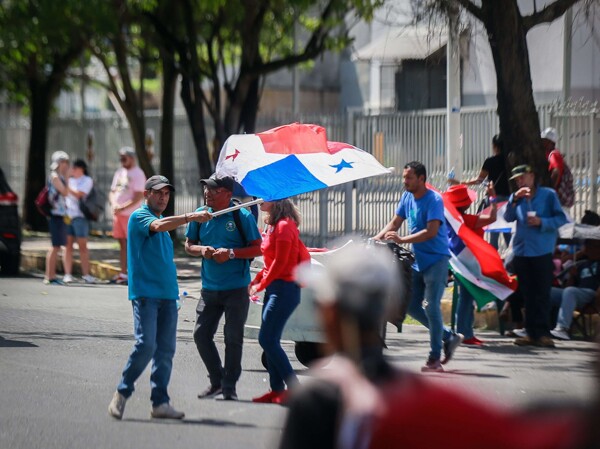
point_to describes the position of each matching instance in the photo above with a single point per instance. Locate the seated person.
(582, 287)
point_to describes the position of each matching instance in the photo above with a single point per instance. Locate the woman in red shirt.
(282, 251)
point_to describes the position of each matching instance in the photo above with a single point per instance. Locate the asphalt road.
(62, 350)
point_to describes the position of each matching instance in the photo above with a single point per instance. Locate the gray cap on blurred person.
(127, 151)
(357, 278)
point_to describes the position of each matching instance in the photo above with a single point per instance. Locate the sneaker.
(281, 397)
(545, 342)
(432, 366)
(117, 405)
(525, 341)
(450, 346)
(266, 398)
(520, 332)
(473, 341)
(68, 278)
(53, 282)
(166, 411)
(89, 279)
(120, 279)
(210, 392)
(560, 333)
(230, 395)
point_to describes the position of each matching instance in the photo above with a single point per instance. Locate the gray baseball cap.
(127, 151)
(157, 182)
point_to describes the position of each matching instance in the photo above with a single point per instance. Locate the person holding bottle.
(282, 251)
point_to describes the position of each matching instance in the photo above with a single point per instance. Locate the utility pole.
(453, 150)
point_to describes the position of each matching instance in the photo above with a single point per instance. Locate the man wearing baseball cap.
(126, 195)
(226, 244)
(153, 292)
(538, 216)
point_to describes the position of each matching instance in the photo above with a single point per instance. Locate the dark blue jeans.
(535, 282)
(155, 329)
(281, 299)
(214, 303)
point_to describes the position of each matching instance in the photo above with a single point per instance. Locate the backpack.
(92, 205)
(42, 202)
(565, 190)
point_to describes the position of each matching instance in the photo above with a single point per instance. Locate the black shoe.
(210, 392)
(230, 395)
(450, 346)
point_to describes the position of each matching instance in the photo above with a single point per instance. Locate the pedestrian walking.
(538, 215)
(57, 192)
(153, 292)
(462, 198)
(424, 210)
(226, 245)
(282, 252)
(78, 227)
(126, 195)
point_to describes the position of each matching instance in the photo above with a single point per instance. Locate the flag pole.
(239, 206)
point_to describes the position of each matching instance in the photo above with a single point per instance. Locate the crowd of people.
(352, 292)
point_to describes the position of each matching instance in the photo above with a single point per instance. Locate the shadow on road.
(4, 343)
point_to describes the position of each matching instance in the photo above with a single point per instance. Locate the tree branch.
(472, 9)
(549, 14)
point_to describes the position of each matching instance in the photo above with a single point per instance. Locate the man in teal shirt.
(153, 292)
(226, 244)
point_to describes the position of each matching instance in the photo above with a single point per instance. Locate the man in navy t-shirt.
(153, 293)
(424, 211)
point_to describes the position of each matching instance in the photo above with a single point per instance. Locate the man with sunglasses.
(126, 195)
(226, 244)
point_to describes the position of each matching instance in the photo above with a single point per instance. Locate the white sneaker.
(117, 405)
(89, 279)
(165, 411)
(68, 278)
(520, 332)
(560, 333)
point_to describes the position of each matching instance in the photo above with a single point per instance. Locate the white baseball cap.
(57, 158)
(550, 134)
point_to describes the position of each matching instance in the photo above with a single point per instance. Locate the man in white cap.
(126, 195)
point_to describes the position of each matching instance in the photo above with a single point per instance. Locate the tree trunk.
(166, 125)
(36, 159)
(519, 121)
(250, 108)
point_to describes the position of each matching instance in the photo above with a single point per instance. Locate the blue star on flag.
(339, 167)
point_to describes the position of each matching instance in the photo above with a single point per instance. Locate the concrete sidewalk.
(104, 257)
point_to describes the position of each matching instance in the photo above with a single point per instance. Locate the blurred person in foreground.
(126, 195)
(356, 399)
(153, 292)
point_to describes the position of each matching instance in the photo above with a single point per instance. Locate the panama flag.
(293, 159)
(475, 262)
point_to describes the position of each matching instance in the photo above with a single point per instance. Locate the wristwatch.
(231, 254)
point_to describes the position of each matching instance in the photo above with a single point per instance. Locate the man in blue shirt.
(226, 244)
(153, 293)
(538, 214)
(424, 210)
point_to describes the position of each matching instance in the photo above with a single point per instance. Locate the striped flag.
(475, 262)
(293, 159)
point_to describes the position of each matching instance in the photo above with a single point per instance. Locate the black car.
(10, 230)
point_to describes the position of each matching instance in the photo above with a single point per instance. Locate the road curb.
(36, 261)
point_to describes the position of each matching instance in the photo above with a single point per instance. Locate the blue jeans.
(79, 227)
(430, 285)
(569, 299)
(154, 329)
(234, 304)
(465, 311)
(281, 299)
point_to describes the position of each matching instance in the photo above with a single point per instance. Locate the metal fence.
(362, 207)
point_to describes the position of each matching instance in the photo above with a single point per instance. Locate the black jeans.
(535, 281)
(212, 305)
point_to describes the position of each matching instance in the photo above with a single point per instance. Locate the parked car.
(10, 230)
